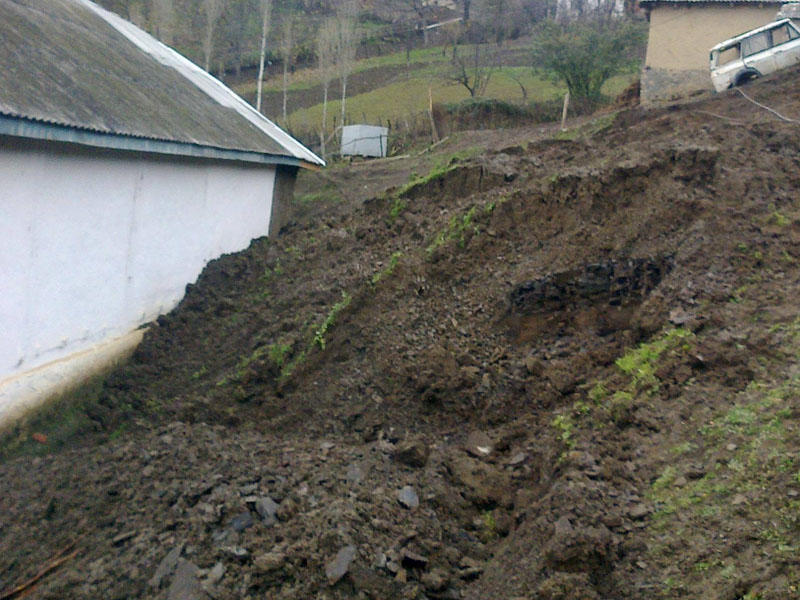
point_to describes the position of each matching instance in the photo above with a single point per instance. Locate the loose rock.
(167, 566)
(338, 567)
(242, 521)
(269, 562)
(412, 453)
(267, 509)
(237, 553)
(185, 584)
(435, 581)
(479, 444)
(408, 498)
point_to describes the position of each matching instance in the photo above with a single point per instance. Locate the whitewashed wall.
(94, 244)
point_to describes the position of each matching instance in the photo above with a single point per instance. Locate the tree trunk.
(344, 96)
(288, 49)
(324, 119)
(213, 10)
(266, 7)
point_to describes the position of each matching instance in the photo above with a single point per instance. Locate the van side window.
(728, 55)
(783, 34)
(755, 43)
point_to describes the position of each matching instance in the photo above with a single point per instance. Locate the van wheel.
(746, 78)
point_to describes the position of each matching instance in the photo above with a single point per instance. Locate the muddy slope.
(558, 369)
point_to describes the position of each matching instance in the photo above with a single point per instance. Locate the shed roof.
(73, 71)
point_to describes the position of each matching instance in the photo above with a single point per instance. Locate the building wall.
(680, 39)
(93, 244)
(282, 198)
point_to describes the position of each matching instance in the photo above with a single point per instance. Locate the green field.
(408, 93)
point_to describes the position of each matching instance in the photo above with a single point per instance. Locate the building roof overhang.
(72, 71)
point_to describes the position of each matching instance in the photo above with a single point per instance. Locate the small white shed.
(124, 169)
(365, 140)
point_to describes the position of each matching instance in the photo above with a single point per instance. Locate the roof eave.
(650, 3)
(27, 128)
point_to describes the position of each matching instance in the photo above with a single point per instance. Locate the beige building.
(681, 34)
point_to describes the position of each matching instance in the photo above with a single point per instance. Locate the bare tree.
(516, 77)
(213, 10)
(163, 19)
(473, 71)
(287, 52)
(266, 13)
(327, 42)
(503, 18)
(347, 42)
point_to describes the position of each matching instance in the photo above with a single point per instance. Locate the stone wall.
(670, 84)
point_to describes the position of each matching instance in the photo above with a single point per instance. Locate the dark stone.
(412, 560)
(412, 453)
(242, 521)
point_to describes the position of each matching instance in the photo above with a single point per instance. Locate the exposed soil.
(551, 369)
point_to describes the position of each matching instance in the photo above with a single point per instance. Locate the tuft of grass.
(322, 330)
(640, 363)
(565, 426)
(397, 208)
(456, 230)
(386, 271)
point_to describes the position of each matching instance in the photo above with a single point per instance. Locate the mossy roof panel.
(71, 63)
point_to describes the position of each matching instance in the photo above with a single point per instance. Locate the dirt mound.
(555, 368)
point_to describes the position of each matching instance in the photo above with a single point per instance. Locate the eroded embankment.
(560, 370)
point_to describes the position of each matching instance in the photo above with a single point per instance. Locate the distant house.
(681, 34)
(124, 169)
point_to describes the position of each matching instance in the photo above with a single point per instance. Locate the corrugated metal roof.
(771, 2)
(71, 63)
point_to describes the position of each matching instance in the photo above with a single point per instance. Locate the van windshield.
(725, 55)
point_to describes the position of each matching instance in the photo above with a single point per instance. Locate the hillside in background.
(409, 55)
(522, 364)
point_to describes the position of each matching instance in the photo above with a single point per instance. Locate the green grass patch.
(565, 426)
(640, 363)
(387, 271)
(409, 95)
(56, 424)
(330, 320)
(455, 230)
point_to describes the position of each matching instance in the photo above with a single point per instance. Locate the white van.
(755, 53)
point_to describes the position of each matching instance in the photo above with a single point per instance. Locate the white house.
(124, 169)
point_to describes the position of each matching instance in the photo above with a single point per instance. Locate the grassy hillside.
(388, 88)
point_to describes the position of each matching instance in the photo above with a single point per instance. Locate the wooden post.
(564, 111)
(434, 133)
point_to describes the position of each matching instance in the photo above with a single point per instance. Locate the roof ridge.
(209, 84)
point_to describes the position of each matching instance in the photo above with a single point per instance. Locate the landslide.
(541, 365)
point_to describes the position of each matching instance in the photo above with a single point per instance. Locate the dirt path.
(556, 369)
